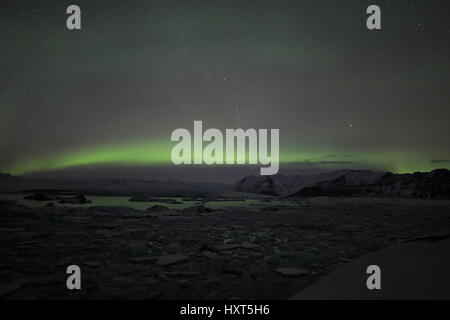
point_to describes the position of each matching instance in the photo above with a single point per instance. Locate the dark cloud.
(439, 161)
(334, 156)
(322, 163)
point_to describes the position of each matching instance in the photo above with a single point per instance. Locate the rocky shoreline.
(239, 252)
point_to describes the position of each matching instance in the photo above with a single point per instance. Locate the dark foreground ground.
(412, 270)
(258, 253)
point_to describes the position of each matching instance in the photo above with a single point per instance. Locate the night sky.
(103, 100)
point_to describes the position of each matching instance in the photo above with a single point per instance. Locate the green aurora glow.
(157, 152)
(342, 96)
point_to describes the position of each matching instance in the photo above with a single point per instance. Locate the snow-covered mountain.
(355, 183)
(276, 185)
(281, 185)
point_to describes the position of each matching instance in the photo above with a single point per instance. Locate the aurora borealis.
(158, 154)
(111, 93)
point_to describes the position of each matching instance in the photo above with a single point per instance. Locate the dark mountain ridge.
(281, 185)
(355, 183)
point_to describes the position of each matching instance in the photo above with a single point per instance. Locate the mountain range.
(343, 183)
(352, 183)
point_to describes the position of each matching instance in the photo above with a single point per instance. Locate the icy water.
(124, 201)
